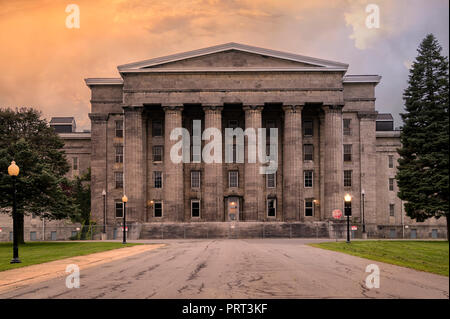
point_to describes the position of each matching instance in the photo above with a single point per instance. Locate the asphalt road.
(258, 268)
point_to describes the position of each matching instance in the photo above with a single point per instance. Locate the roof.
(145, 66)
(62, 120)
(385, 117)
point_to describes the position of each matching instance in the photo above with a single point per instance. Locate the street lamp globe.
(348, 197)
(124, 198)
(103, 193)
(13, 169)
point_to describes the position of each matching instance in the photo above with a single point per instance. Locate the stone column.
(173, 195)
(213, 196)
(367, 133)
(333, 173)
(292, 162)
(135, 164)
(254, 203)
(99, 169)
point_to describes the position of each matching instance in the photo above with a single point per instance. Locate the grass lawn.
(430, 256)
(40, 252)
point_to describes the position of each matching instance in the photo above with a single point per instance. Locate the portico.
(231, 86)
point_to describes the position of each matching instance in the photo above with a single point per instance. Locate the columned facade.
(327, 141)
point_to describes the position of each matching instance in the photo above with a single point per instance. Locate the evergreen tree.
(37, 150)
(422, 176)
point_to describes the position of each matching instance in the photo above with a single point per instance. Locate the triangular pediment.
(231, 56)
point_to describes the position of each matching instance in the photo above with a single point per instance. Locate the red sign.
(337, 213)
(354, 228)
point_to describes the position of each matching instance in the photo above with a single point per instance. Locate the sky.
(43, 63)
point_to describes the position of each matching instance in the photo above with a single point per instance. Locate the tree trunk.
(21, 228)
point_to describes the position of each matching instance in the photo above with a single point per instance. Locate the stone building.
(328, 142)
(331, 142)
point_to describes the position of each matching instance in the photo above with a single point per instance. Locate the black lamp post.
(13, 171)
(348, 213)
(363, 194)
(104, 211)
(124, 201)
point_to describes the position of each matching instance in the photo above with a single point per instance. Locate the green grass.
(429, 256)
(40, 252)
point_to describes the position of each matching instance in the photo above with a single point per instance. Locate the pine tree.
(422, 176)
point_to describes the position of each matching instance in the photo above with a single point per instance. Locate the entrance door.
(233, 208)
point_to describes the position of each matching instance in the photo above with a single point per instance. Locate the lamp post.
(104, 211)
(348, 213)
(363, 194)
(13, 171)
(124, 201)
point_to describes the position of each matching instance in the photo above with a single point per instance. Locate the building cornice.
(103, 81)
(362, 79)
(232, 69)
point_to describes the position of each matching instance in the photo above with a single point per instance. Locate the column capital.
(333, 108)
(256, 108)
(293, 108)
(173, 108)
(99, 117)
(212, 108)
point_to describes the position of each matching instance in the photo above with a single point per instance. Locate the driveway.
(253, 268)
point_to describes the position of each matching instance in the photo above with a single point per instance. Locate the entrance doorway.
(233, 208)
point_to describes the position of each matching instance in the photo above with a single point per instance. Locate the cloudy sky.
(43, 63)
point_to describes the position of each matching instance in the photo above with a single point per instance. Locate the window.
(308, 128)
(33, 235)
(347, 129)
(119, 128)
(157, 153)
(195, 208)
(157, 179)
(11, 236)
(308, 178)
(434, 233)
(53, 235)
(348, 178)
(233, 179)
(391, 161)
(119, 154)
(309, 207)
(391, 184)
(413, 233)
(157, 128)
(75, 163)
(118, 176)
(119, 209)
(233, 124)
(271, 207)
(195, 179)
(271, 180)
(33, 215)
(308, 152)
(158, 209)
(391, 210)
(74, 233)
(347, 152)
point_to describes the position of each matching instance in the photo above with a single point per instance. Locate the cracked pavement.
(240, 268)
